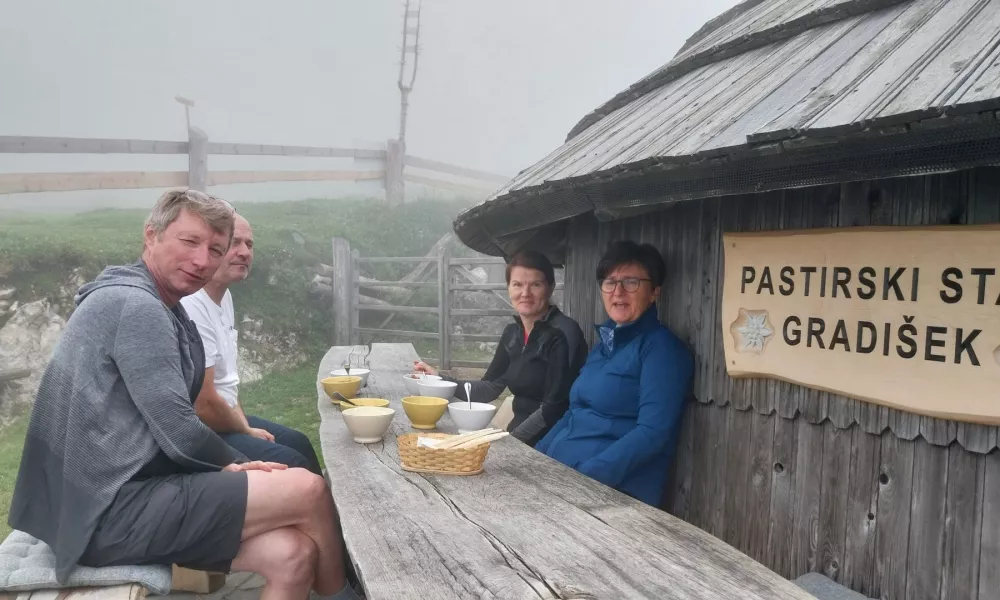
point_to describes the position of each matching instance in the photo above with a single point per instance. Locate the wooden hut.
(818, 117)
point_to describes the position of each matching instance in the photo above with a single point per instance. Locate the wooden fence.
(354, 294)
(391, 166)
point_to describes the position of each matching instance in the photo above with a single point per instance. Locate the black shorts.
(193, 520)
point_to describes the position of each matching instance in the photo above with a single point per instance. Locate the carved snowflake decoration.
(754, 332)
(751, 331)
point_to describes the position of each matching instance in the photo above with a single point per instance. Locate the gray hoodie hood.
(136, 275)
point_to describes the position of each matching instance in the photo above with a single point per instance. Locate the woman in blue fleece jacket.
(627, 403)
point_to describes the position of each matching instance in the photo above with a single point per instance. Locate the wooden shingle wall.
(891, 504)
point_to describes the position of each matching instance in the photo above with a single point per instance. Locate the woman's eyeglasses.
(629, 284)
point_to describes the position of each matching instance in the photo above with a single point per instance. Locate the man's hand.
(256, 465)
(262, 434)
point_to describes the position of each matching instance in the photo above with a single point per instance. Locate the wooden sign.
(903, 317)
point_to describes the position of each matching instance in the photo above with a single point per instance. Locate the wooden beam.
(231, 177)
(18, 183)
(17, 144)
(447, 185)
(276, 150)
(443, 167)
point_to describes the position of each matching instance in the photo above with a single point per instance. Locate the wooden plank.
(861, 515)
(738, 472)
(989, 554)
(963, 524)
(342, 278)
(476, 191)
(233, 177)
(895, 69)
(957, 57)
(475, 337)
(834, 502)
(927, 522)
(783, 485)
(194, 581)
(892, 537)
(798, 87)
(444, 309)
(703, 468)
(22, 183)
(480, 312)
(718, 470)
(18, 144)
(758, 485)
(390, 333)
(527, 527)
(678, 501)
(808, 490)
(222, 148)
(415, 310)
(443, 167)
(708, 315)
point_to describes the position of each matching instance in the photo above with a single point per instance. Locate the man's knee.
(288, 556)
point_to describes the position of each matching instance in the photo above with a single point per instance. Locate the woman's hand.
(420, 366)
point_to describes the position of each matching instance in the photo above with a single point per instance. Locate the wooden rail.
(392, 162)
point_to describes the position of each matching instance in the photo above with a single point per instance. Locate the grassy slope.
(38, 253)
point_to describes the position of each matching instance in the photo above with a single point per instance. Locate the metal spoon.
(468, 393)
(341, 397)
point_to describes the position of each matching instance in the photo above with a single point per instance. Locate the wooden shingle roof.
(757, 100)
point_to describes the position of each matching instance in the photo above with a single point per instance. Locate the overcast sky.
(499, 86)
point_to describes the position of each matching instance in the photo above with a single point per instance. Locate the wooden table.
(528, 527)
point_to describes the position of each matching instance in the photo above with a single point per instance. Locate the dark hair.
(530, 259)
(627, 252)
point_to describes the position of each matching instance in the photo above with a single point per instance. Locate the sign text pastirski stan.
(903, 317)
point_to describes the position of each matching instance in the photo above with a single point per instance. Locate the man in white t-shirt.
(218, 404)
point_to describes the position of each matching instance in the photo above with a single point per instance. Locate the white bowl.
(368, 423)
(471, 419)
(412, 379)
(355, 372)
(437, 389)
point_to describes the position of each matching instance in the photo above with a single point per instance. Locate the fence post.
(444, 307)
(197, 159)
(395, 188)
(342, 280)
(355, 296)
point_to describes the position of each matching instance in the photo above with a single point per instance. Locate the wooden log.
(197, 159)
(395, 188)
(196, 582)
(13, 374)
(343, 269)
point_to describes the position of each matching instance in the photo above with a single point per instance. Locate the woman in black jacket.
(538, 357)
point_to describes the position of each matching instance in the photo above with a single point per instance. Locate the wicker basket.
(451, 461)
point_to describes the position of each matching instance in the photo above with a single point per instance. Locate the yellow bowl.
(345, 385)
(424, 411)
(377, 402)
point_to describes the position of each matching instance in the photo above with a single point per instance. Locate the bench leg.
(196, 582)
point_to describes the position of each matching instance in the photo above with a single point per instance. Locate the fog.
(499, 84)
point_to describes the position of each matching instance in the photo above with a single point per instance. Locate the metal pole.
(444, 304)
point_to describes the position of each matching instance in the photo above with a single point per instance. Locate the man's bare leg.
(300, 499)
(285, 558)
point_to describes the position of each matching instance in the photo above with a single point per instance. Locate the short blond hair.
(216, 212)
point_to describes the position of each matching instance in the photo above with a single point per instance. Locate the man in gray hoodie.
(118, 469)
